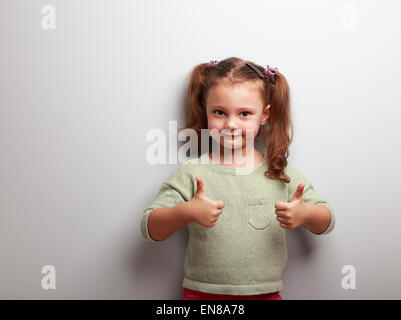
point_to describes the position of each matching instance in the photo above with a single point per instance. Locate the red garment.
(190, 294)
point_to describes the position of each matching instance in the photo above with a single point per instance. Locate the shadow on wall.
(301, 247)
(158, 268)
(300, 243)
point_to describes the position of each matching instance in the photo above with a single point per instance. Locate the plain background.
(76, 104)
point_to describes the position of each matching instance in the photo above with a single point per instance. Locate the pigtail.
(280, 129)
(197, 118)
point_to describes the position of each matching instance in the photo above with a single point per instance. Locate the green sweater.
(245, 252)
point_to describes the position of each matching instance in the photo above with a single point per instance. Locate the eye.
(222, 112)
(218, 111)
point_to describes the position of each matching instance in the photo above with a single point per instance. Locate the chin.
(232, 144)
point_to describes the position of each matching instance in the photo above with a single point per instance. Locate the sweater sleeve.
(309, 195)
(178, 188)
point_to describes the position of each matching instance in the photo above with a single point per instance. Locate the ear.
(265, 115)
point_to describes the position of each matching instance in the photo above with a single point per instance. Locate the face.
(232, 110)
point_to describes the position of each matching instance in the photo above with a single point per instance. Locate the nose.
(230, 124)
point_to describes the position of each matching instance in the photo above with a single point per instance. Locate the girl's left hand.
(294, 213)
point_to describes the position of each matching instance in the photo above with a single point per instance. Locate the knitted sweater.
(245, 252)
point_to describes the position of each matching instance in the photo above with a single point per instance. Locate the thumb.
(200, 190)
(299, 192)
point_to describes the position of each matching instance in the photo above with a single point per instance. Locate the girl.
(237, 213)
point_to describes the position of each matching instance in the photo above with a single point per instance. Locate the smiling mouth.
(232, 136)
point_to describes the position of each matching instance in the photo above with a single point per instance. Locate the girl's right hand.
(204, 211)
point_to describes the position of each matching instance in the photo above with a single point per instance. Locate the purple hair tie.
(211, 64)
(271, 72)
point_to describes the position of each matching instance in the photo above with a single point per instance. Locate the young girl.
(237, 213)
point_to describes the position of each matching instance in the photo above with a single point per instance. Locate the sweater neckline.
(247, 170)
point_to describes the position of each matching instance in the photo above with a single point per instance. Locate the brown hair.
(276, 137)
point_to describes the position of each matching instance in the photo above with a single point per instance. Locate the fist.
(203, 210)
(294, 213)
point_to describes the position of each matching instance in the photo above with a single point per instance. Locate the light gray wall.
(76, 104)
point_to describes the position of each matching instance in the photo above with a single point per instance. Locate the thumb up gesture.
(294, 213)
(203, 210)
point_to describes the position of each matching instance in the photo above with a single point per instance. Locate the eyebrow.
(238, 109)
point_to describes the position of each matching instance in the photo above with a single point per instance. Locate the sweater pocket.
(260, 212)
